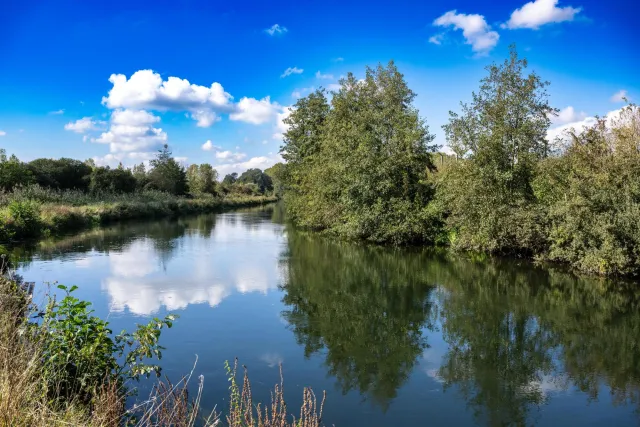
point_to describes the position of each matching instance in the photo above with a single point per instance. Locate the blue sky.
(57, 96)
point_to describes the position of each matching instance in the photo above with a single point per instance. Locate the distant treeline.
(164, 174)
(364, 166)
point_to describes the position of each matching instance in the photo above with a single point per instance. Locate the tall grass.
(27, 397)
(34, 211)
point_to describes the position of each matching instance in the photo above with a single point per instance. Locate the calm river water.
(395, 337)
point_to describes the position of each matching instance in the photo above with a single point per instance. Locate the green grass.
(35, 212)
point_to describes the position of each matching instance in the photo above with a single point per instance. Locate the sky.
(113, 81)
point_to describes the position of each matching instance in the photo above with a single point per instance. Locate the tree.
(202, 178)
(13, 172)
(360, 171)
(140, 174)
(257, 177)
(500, 137)
(277, 175)
(105, 179)
(230, 178)
(166, 174)
(63, 174)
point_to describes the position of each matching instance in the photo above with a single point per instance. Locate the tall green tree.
(202, 178)
(167, 174)
(365, 173)
(257, 177)
(63, 174)
(499, 138)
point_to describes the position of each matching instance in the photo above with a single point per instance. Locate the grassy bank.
(35, 212)
(62, 366)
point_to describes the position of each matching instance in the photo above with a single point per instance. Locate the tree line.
(363, 165)
(164, 173)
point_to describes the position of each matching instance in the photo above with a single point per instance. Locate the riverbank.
(60, 365)
(31, 218)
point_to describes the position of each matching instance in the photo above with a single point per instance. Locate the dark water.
(396, 337)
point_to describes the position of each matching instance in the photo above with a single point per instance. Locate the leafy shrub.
(80, 353)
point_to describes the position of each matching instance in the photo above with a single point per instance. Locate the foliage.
(499, 138)
(80, 353)
(358, 167)
(202, 179)
(230, 178)
(167, 174)
(13, 172)
(276, 173)
(257, 177)
(61, 173)
(592, 193)
(107, 180)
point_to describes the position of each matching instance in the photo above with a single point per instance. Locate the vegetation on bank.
(61, 365)
(48, 196)
(363, 166)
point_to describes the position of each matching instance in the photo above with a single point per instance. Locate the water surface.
(396, 337)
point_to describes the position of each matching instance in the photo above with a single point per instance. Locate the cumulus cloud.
(132, 130)
(537, 13)
(568, 115)
(475, 30)
(561, 131)
(255, 111)
(260, 162)
(436, 39)
(114, 159)
(289, 71)
(57, 112)
(230, 156)
(209, 146)
(276, 29)
(146, 89)
(84, 125)
(319, 75)
(205, 118)
(620, 96)
(338, 59)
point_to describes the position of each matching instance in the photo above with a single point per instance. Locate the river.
(396, 337)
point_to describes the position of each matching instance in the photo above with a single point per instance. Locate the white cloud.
(261, 162)
(276, 29)
(147, 90)
(132, 130)
(57, 112)
(113, 159)
(537, 13)
(475, 30)
(205, 118)
(230, 156)
(255, 111)
(289, 71)
(620, 95)
(209, 146)
(281, 126)
(436, 39)
(2, 133)
(334, 87)
(568, 115)
(579, 126)
(338, 59)
(84, 125)
(319, 75)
